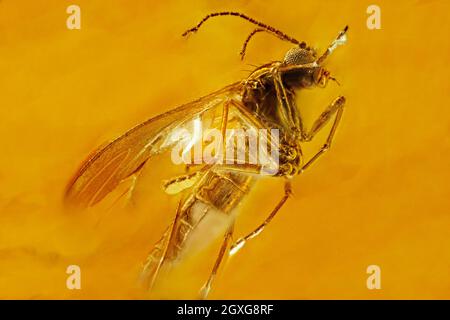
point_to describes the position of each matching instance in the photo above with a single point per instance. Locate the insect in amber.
(264, 100)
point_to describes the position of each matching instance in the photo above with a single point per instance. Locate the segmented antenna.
(340, 40)
(244, 47)
(261, 25)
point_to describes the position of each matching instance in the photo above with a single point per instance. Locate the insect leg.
(133, 178)
(127, 195)
(185, 181)
(241, 242)
(177, 184)
(224, 123)
(335, 108)
(289, 111)
(158, 255)
(251, 118)
(207, 286)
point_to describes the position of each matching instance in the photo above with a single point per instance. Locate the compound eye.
(298, 55)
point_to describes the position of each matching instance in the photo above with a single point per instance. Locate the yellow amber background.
(381, 196)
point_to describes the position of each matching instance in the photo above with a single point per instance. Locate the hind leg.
(235, 247)
(226, 240)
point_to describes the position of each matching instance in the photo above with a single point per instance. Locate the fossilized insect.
(264, 100)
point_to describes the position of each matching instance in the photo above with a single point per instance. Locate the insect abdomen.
(201, 218)
(207, 210)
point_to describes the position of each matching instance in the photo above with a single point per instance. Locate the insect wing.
(106, 168)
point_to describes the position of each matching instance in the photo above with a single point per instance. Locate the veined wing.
(106, 168)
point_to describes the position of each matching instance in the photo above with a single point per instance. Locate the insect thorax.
(260, 97)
